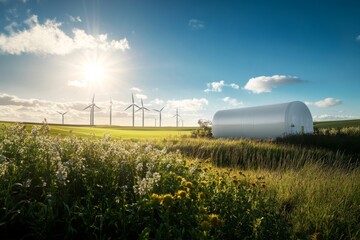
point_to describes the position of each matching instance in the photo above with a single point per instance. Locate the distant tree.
(204, 129)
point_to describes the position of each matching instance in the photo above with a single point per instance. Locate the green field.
(338, 124)
(58, 182)
(116, 132)
(122, 132)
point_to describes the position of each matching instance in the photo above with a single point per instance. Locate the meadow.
(75, 184)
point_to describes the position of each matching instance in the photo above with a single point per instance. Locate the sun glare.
(94, 73)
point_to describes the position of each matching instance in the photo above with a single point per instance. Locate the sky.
(197, 56)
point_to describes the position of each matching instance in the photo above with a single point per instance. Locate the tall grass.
(56, 188)
(248, 154)
(98, 188)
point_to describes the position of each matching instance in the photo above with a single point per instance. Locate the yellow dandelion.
(188, 184)
(215, 220)
(167, 200)
(181, 194)
(155, 199)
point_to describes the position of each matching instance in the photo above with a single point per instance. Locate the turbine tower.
(142, 108)
(62, 116)
(92, 110)
(159, 111)
(133, 105)
(111, 111)
(177, 117)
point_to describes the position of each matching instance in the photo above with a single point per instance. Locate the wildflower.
(139, 167)
(215, 220)
(181, 194)
(188, 184)
(28, 183)
(61, 173)
(167, 200)
(180, 179)
(155, 199)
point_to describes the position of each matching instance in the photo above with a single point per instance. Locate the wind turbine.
(177, 117)
(133, 105)
(62, 116)
(92, 110)
(159, 111)
(142, 108)
(111, 111)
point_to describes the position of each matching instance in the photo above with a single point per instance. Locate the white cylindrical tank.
(268, 121)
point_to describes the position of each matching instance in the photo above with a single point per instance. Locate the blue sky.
(199, 56)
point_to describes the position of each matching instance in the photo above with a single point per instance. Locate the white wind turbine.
(62, 116)
(159, 111)
(111, 111)
(142, 108)
(92, 111)
(177, 117)
(133, 105)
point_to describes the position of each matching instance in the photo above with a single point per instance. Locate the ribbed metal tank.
(269, 121)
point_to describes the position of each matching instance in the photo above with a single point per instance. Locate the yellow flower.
(155, 199)
(215, 220)
(188, 184)
(181, 194)
(167, 200)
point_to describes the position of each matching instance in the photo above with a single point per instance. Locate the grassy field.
(57, 184)
(338, 124)
(116, 132)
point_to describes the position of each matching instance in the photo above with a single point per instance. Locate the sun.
(94, 73)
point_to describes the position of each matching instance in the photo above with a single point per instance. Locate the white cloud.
(11, 26)
(157, 101)
(232, 101)
(218, 86)
(196, 24)
(188, 105)
(78, 83)
(327, 102)
(215, 86)
(48, 38)
(234, 86)
(358, 38)
(327, 117)
(135, 89)
(75, 19)
(140, 96)
(266, 83)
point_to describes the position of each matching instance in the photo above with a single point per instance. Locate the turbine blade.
(93, 98)
(65, 112)
(146, 109)
(138, 110)
(87, 107)
(128, 107)
(142, 104)
(162, 108)
(96, 106)
(59, 112)
(136, 105)
(156, 110)
(132, 96)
